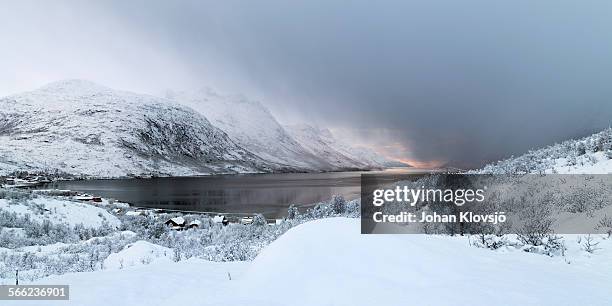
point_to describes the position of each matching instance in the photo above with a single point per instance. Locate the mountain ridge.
(254, 127)
(85, 129)
(112, 133)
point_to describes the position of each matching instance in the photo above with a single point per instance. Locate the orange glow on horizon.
(385, 143)
(429, 164)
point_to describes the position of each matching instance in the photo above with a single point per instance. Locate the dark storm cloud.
(454, 81)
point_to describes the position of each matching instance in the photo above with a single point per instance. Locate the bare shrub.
(606, 224)
(589, 244)
(537, 226)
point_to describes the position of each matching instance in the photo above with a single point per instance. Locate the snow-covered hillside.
(321, 142)
(588, 155)
(82, 128)
(60, 211)
(298, 146)
(252, 125)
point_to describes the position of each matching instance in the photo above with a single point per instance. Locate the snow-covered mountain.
(588, 155)
(321, 142)
(252, 125)
(82, 128)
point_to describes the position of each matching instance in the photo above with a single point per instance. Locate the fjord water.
(269, 194)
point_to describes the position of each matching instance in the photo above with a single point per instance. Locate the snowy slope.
(82, 128)
(189, 282)
(252, 125)
(331, 258)
(328, 262)
(588, 155)
(321, 142)
(60, 211)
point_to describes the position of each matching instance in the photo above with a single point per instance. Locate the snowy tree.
(259, 220)
(338, 204)
(293, 212)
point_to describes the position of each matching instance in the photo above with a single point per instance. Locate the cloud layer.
(461, 82)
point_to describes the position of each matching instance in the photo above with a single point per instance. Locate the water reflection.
(269, 194)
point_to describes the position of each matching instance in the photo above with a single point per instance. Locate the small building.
(87, 197)
(195, 224)
(176, 223)
(135, 213)
(220, 219)
(246, 220)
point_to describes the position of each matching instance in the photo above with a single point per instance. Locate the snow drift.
(328, 262)
(138, 253)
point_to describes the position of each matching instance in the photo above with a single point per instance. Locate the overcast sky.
(459, 82)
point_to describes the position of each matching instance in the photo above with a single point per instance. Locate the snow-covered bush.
(15, 194)
(235, 241)
(492, 242)
(551, 245)
(259, 220)
(145, 226)
(36, 233)
(537, 225)
(78, 257)
(606, 224)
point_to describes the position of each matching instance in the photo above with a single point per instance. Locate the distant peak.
(74, 85)
(299, 126)
(308, 127)
(207, 93)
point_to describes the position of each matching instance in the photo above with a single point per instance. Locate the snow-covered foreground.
(193, 281)
(328, 262)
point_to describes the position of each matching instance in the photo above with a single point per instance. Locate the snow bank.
(592, 163)
(138, 253)
(328, 262)
(189, 282)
